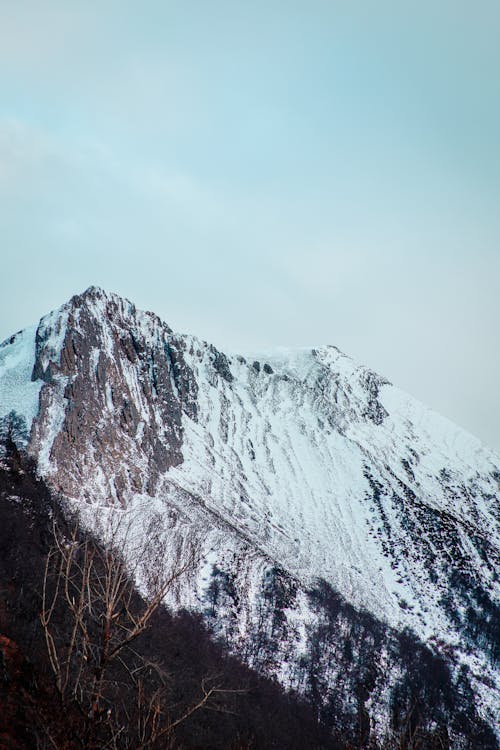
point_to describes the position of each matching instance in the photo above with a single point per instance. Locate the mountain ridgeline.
(343, 539)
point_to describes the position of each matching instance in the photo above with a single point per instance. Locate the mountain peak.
(97, 295)
(94, 291)
(275, 470)
(103, 305)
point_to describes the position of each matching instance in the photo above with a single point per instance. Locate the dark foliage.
(427, 702)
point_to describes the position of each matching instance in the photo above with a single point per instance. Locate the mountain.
(345, 537)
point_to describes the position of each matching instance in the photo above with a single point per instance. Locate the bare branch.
(91, 615)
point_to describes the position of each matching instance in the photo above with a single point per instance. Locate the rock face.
(346, 537)
(92, 370)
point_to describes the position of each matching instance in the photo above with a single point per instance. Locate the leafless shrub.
(92, 617)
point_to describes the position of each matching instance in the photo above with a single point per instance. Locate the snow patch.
(19, 395)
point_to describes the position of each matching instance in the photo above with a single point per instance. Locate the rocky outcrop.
(116, 388)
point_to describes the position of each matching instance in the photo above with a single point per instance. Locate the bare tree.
(92, 617)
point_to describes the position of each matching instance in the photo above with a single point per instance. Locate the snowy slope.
(298, 461)
(18, 392)
(289, 460)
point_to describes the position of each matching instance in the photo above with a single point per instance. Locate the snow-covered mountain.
(346, 537)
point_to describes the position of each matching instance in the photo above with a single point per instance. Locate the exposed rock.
(221, 365)
(116, 387)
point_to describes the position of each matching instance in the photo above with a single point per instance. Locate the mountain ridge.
(303, 463)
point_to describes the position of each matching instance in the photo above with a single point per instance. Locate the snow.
(18, 393)
(304, 500)
(304, 489)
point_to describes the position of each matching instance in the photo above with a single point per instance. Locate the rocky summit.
(344, 538)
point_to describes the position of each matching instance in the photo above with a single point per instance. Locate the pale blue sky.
(265, 173)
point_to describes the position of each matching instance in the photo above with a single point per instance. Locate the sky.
(265, 174)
